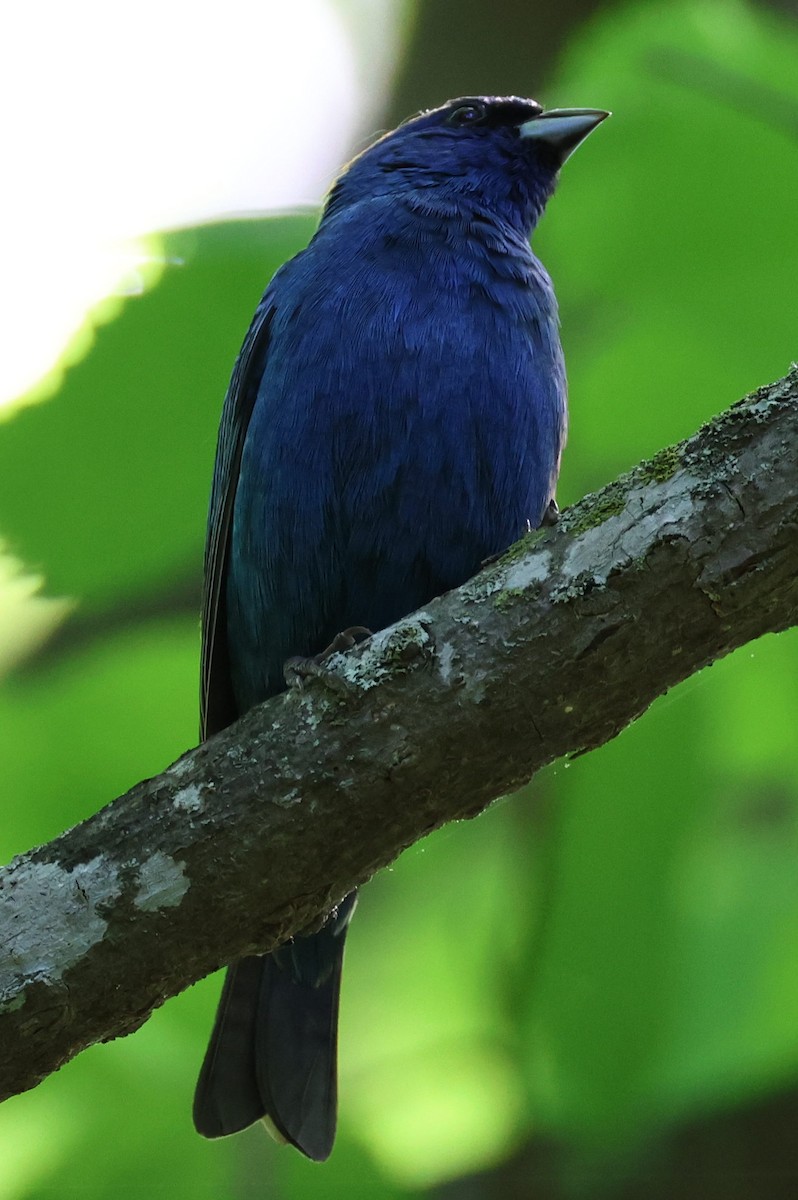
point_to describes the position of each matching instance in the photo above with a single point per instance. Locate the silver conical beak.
(563, 129)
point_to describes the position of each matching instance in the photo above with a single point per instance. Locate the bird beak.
(563, 128)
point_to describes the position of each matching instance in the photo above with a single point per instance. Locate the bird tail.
(273, 1050)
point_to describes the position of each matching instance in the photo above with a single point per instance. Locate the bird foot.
(551, 516)
(299, 668)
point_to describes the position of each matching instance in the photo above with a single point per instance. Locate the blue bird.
(395, 417)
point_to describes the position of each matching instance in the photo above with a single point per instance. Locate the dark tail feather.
(273, 1048)
(227, 1098)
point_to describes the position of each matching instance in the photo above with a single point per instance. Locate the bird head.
(502, 154)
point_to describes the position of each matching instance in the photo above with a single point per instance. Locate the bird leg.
(301, 667)
(551, 516)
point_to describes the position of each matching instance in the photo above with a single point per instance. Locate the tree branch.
(552, 649)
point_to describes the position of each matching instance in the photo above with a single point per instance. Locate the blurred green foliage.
(595, 961)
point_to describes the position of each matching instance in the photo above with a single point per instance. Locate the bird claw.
(344, 641)
(299, 668)
(551, 516)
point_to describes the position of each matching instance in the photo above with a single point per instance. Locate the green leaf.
(105, 485)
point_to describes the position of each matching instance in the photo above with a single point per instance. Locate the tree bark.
(551, 650)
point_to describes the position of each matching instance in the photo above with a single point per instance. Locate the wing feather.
(217, 701)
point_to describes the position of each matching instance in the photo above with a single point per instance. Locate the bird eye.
(468, 114)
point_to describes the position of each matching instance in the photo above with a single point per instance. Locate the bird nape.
(395, 417)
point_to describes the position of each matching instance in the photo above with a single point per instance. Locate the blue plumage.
(395, 417)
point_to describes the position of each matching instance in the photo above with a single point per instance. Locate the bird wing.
(217, 701)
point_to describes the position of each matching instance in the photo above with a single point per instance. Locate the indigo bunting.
(395, 417)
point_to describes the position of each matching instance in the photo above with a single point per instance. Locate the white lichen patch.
(189, 799)
(627, 535)
(531, 569)
(294, 796)
(49, 920)
(182, 767)
(398, 648)
(162, 883)
(446, 657)
(476, 686)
